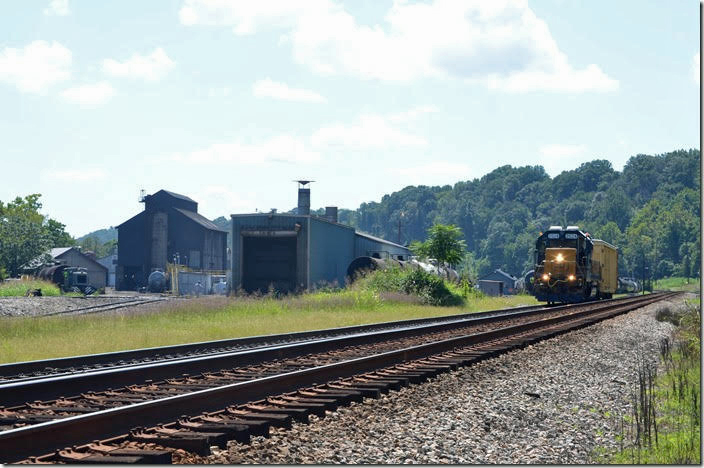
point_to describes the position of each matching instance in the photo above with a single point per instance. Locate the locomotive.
(571, 266)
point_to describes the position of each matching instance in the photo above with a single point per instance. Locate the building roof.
(175, 195)
(200, 219)
(54, 254)
(379, 239)
(501, 273)
(58, 251)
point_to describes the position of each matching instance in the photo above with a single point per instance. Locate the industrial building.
(293, 252)
(169, 230)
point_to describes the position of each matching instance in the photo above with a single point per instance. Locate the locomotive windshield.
(554, 239)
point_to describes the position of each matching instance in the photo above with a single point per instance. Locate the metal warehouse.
(168, 230)
(299, 251)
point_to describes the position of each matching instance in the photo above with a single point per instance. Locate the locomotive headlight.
(560, 258)
(571, 277)
(545, 277)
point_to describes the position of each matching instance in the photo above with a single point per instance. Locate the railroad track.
(219, 403)
(30, 370)
(103, 307)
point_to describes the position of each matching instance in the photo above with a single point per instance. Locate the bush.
(431, 289)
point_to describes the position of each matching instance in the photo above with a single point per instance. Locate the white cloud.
(556, 158)
(150, 67)
(501, 44)
(75, 175)
(370, 131)
(57, 8)
(36, 67)
(90, 95)
(282, 148)
(276, 90)
(696, 67)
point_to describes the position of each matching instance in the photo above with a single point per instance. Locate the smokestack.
(303, 197)
(331, 213)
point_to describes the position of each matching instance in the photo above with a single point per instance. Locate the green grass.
(19, 288)
(677, 283)
(676, 397)
(212, 318)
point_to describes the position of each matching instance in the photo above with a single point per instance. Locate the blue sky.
(228, 102)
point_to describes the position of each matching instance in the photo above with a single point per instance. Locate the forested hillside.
(650, 210)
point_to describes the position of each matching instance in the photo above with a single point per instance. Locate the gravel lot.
(484, 413)
(43, 305)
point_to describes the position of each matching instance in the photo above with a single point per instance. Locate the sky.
(228, 102)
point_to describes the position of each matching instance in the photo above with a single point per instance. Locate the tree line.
(650, 210)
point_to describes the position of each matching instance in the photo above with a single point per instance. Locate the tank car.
(571, 266)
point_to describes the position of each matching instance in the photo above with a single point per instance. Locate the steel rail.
(17, 393)
(20, 443)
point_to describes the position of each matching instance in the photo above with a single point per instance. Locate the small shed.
(71, 256)
(491, 288)
(509, 281)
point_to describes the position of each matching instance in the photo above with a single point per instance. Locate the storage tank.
(156, 282)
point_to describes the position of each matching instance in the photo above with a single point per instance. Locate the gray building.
(299, 251)
(169, 230)
(509, 281)
(109, 262)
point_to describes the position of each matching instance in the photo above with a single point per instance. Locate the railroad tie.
(343, 396)
(329, 404)
(317, 409)
(298, 414)
(274, 419)
(366, 391)
(238, 432)
(196, 442)
(255, 427)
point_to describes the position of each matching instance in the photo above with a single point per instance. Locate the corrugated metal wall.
(332, 251)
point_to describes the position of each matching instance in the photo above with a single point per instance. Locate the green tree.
(445, 244)
(25, 233)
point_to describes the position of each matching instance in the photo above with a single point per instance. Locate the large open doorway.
(269, 262)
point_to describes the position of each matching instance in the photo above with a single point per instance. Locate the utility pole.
(400, 215)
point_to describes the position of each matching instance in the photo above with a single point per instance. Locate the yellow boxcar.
(605, 266)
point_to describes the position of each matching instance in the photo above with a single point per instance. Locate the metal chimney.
(303, 197)
(331, 213)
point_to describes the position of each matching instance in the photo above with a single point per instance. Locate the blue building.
(291, 252)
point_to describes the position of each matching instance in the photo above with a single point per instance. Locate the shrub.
(431, 289)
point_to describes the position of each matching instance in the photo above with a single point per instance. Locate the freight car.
(570, 266)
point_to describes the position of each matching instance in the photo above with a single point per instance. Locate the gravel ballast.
(556, 401)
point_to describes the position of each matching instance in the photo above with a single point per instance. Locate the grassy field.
(19, 288)
(677, 283)
(212, 318)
